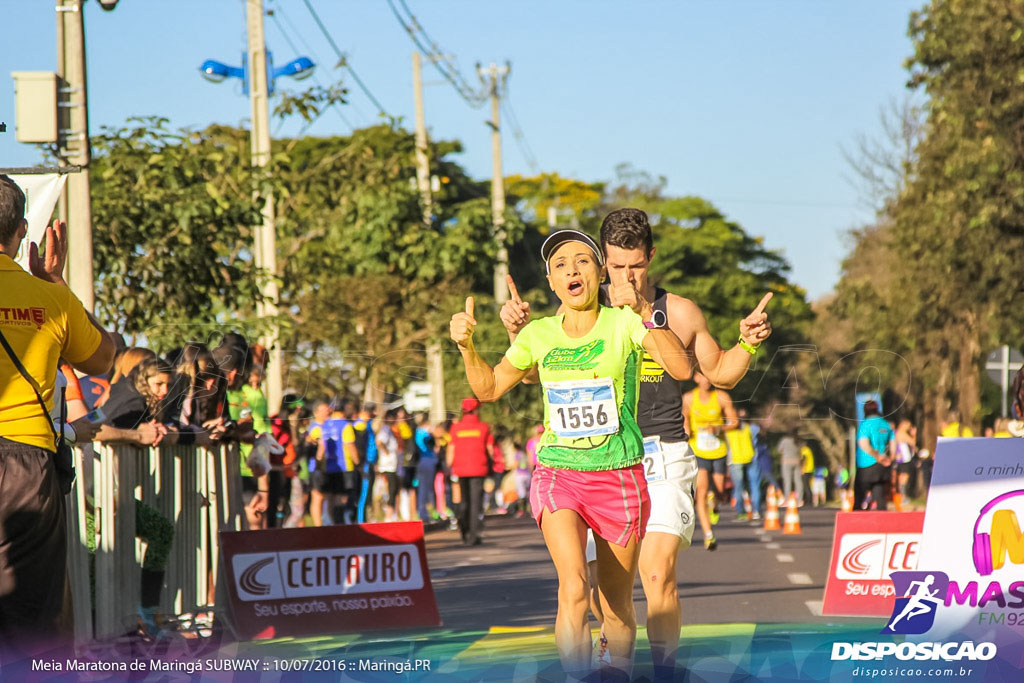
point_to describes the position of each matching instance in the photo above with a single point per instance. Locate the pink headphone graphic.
(982, 549)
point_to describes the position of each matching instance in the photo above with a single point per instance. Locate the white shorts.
(672, 510)
(818, 487)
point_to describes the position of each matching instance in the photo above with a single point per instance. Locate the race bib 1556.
(582, 408)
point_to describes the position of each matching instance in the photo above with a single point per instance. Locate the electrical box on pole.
(35, 106)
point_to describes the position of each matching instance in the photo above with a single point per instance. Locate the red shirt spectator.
(472, 443)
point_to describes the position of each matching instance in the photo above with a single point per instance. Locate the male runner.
(671, 468)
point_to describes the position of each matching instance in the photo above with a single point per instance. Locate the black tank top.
(660, 405)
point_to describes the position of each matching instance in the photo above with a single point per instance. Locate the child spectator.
(818, 486)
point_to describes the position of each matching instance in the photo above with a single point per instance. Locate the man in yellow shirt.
(708, 413)
(951, 427)
(743, 468)
(41, 321)
(807, 465)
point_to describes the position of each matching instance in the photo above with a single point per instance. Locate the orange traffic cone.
(897, 502)
(771, 514)
(847, 501)
(792, 522)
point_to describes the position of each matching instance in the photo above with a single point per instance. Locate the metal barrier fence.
(198, 490)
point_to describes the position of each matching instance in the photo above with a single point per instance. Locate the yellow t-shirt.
(808, 459)
(953, 429)
(741, 445)
(704, 414)
(42, 322)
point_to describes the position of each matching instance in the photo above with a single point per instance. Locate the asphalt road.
(753, 577)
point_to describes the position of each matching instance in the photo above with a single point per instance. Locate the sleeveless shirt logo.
(578, 358)
(650, 371)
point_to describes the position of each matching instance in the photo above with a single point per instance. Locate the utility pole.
(435, 365)
(265, 242)
(422, 158)
(495, 83)
(73, 147)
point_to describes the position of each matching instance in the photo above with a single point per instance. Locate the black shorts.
(333, 483)
(391, 478)
(33, 544)
(409, 479)
(713, 465)
(905, 467)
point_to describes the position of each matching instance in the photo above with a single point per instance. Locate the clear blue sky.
(745, 103)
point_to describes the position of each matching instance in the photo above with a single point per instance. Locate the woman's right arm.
(488, 384)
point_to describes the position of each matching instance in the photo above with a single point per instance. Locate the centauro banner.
(41, 194)
(337, 579)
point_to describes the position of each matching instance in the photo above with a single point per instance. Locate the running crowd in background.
(316, 462)
(310, 463)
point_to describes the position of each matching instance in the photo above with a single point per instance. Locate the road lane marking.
(773, 546)
(814, 606)
(765, 539)
(800, 579)
(784, 557)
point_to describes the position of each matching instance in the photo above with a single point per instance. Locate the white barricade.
(198, 490)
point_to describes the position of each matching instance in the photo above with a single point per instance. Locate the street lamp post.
(258, 83)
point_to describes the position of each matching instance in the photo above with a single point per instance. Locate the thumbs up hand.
(622, 292)
(462, 325)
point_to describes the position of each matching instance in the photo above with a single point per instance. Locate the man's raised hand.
(515, 312)
(462, 325)
(49, 265)
(755, 328)
(621, 292)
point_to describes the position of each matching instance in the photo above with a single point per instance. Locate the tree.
(173, 218)
(942, 293)
(362, 274)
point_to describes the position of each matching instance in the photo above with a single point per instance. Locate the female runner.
(589, 472)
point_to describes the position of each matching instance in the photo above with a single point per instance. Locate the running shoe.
(713, 515)
(742, 517)
(756, 516)
(710, 542)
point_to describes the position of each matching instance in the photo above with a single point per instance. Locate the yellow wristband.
(749, 348)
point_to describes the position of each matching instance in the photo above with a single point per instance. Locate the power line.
(441, 61)
(447, 67)
(305, 43)
(517, 133)
(342, 60)
(316, 78)
(273, 17)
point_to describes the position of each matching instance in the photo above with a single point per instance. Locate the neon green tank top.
(589, 386)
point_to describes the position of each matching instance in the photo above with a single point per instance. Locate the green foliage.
(309, 103)
(173, 215)
(935, 281)
(362, 272)
(366, 281)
